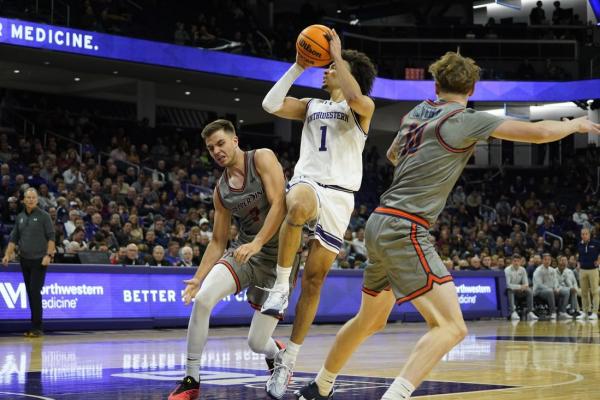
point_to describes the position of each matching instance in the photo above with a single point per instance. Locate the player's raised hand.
(335, 45)
(243, 253)
(191, 290)
(584, 125)
(301, 61)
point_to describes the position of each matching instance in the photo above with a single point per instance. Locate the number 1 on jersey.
(323, 138)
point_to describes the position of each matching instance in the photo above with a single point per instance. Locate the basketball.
(312, 45)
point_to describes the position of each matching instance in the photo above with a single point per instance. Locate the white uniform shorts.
(335, 209)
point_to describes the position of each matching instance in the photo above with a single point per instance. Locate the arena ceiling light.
(514, 4)
(483, 3)
(187, 93)
(16, 71)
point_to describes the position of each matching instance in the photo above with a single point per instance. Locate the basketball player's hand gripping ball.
(312, 46)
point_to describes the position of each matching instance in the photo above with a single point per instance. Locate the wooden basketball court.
(499, 360)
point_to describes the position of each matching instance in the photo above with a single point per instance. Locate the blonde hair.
(455, 73)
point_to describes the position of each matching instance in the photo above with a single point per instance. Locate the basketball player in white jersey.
(321, 192)
(432, 147)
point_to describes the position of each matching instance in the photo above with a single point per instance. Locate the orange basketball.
(312, 45)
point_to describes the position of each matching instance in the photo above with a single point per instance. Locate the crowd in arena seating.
(148, 201)
(243, 27)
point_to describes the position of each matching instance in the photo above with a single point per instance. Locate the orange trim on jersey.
(402, 214)
(431, 278)
(441, 139)
(370, 292)
(235, 277)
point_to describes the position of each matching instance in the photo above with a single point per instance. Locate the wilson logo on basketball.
(308, 48)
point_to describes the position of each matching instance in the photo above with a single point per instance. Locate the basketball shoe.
(311, 392)
(277, 302)
(271, 361)
(280, 377)
(187, 389)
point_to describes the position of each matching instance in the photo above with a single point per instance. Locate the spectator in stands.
(588, 251)
(162, 237)
(76, 241)
(537, 15)
(187, 255)
(73, 176)
(172, 256)
(474, 264)
(486, 262)
(205, 228)
(341, 260)
(131, 256)
(557, 14)
(137, 233)
(35, 179)
(474, 201)
(93, 227)
(458, 196)
(566, 279)
(181, 36)
(157, 259)
(70, 224)
(503, 209)
(518, 286)
(359, 247)
(124, 235)
(46, 199)
(546, 286)
(580, 217)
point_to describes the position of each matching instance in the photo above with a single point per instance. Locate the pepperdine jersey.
(249, 205)
(332, 144)
(436, 141)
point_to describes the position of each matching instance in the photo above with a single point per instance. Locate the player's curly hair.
(455, 73)
(362, 69)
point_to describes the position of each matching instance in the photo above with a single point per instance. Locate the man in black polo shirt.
(588, 251)
(34, 234)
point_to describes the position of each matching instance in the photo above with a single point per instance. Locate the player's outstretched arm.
(276, 102)
(543, 131)
(271, 173)
(214, 250)
(358, 102)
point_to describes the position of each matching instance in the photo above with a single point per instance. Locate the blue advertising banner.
(87, 292)
(49, 37)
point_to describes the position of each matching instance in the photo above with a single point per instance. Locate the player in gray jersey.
(252, 189)
(429, 152)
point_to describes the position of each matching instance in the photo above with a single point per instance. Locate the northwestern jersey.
(249, 204)
(331, 145)
(436, 141)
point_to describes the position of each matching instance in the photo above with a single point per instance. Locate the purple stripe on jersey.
(328, 237)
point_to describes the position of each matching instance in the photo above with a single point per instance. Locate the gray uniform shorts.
(401, 257)
(259, 272)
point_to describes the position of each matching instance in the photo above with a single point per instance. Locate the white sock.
(325, 381)
(192, 366)
(401, 389)
(283, 276)
(291, 353)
